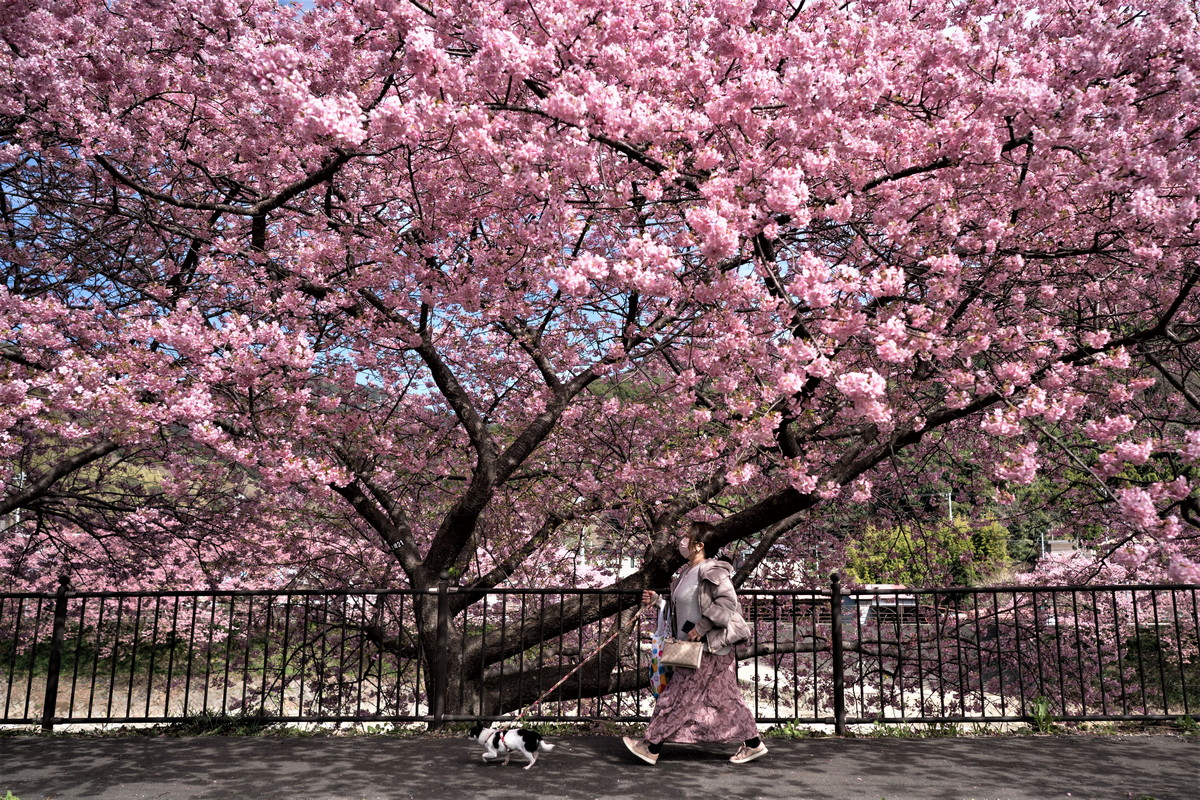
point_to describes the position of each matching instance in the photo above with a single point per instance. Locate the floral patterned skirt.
(702, 705)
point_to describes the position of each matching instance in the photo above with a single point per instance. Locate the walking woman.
(705, 704)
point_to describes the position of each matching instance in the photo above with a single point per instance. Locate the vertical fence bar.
(380, 616)
(1178, 633)
(760, 611)
(521, 654)
(503, 623)
(112, 666)
(579, 650)
(191, 651)
(137, 634)
(1196, 622)
(266, 656)
(859, 693)
(478, 675)
(1138, 642)
(541, 660)
(306, 646)
(561, 639)
(420, 677)
(1079, 651)
(795, 656)
(12, 665)
(228, 665)
(341, 657)
(363, 635)
(399, 666)
(872, 613)
(1037, 643)
(815, 610)
(776, 662)
(1099, 653)
(322, 660)
(960, 660)
(943, 625)
(153, 653)
(1158, 650)
(283, 657)
(440, 655)
(208, 651)
(360, 673)
(896, 691)
(35, 636)
(1018, 654)
(918, 621)
(78, 655)
(173, 641)
(1120, 664)
(999, 662)
(246, 654)
(1061, 664)
(980, 637)
(50, 702)
(839, 675)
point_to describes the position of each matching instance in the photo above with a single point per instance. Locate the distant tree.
(961, 553)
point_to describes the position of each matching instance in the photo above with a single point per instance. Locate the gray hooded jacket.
(721, 614)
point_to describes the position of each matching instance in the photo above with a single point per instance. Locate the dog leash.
(577, 667)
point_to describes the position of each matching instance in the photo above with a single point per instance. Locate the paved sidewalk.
(599, 768)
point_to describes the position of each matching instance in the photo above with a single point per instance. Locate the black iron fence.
(1000, 654)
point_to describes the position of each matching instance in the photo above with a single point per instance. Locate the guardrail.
(995, 654)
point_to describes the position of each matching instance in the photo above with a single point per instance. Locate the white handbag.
(679, 653)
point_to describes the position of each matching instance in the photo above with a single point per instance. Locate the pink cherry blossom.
(1110, 428)
(357, 293)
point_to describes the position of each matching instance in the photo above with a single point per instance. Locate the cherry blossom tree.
(368, 291)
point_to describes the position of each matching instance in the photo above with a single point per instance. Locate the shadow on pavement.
(369, 768)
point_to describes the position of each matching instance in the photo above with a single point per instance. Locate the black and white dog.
(518, 740)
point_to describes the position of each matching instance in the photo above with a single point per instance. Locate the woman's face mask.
(685, 547)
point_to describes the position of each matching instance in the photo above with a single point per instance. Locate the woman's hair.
(705, 533)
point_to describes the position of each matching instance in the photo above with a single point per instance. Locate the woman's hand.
(693, 635)
(649, 598)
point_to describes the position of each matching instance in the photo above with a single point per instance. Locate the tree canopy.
(373, 289)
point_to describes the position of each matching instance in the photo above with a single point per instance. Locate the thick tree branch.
(39, 486)
(940, 163)
(397, 537)
(259, 209)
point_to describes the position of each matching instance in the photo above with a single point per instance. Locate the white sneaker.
(639, 749)
(745, 754)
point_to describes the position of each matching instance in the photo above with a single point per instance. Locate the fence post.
(54, 667)
(839, 671)
(442, 646)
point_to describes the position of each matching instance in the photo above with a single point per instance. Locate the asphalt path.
(599, 768)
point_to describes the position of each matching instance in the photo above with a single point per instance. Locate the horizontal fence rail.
(999, 654)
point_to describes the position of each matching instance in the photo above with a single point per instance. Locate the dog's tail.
(544, 745)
